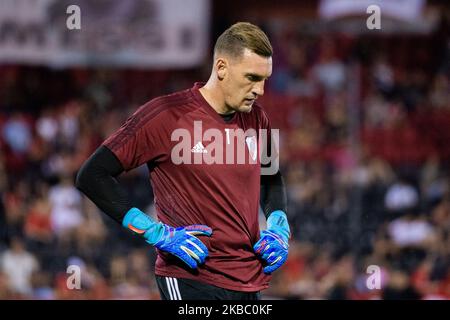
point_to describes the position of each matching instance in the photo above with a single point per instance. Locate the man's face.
(243, 78)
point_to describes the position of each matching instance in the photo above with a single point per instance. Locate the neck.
(214, 96)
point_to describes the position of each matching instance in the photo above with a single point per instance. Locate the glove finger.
(261, 245)
(197, 249)
(185, 255)
(198, 230)
(270, 248)
(269, 253)
(275, 237)
(198, 243)
(272, 267)
(273, 258)
(276, 248)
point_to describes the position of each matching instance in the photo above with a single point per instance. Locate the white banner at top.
(128, 33)
(399, 9)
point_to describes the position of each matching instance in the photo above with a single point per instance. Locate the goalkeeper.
(207, 233)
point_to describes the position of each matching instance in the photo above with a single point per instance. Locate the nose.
(258, 88)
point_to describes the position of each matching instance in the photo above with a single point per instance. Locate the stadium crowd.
(366, 164)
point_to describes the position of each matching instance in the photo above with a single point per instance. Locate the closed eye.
(254, 77)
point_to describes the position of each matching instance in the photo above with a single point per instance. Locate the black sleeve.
(96, 179)
(273, 193)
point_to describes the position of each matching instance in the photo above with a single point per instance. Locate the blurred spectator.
(410, 231)
(5, 291)
(15, 202)
(42, 286)
(47, 126)
(377, 111)
(19, 265)
(65, 201)
(132, 289)
(329, 71)
(401, 196)
(17, 133)
(383, 76)
(434, 182)
(440, 92)
(399, 287)
(37, 222)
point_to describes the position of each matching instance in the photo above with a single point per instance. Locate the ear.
(221, 65)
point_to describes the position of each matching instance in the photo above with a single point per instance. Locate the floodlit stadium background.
(364, 118)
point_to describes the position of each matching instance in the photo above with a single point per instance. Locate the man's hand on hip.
(272, 246)
(181, 242)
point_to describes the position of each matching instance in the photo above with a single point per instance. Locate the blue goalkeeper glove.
(181, 242)
(273, 245)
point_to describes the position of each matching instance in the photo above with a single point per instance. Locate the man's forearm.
(272, 246)
(96, 179)
(273, 195)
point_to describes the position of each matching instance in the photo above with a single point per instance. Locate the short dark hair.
(243, 35)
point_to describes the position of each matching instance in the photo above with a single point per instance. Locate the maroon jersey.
(223, 196)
